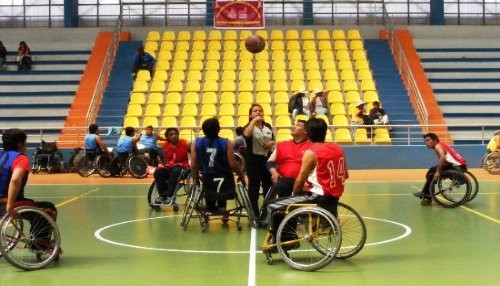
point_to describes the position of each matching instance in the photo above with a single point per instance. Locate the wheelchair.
(183, 183)
(47, 158)
(310, 237)
(491, 162)
(136, 165)
(196, 209)
(454, 188)
(90, 162)
(20, 241)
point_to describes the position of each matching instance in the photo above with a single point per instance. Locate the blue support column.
(308, 12)
(437, 12)
(209, 17)
(70, 13)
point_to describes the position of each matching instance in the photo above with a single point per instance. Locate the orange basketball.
(255, 44)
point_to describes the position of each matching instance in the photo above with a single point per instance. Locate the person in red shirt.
(321, 177)
(175, 159)
(448, 159)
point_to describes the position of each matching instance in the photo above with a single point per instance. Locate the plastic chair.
(333, 85)
(230, 46)
(244, 75)
(194, 75)
(140, 86)
(279, 75)
(281, 97)
(307, 34)
(245, 97)
(179, 65)
(342, 136)
(227, 109)
(184, 36)
(345, 65)
(155, 98)
(227, 97)
(338, 35)
(227, 133)
(214, 46)
(353, 34)
(262, 75)
(169, 121)
(131, 121)
(151, 47)
(296, 74)
(323, 34)
(153, 121)
(209, 97)
(243, 109)
(192, 86)
(281, 109)
(359, 55)
(180, 55)
(229, 65)
(190, 110)
(208, 109)
(325, 46)
(313, 75)
(143, 75)
(337, 108)
(210, 85)
(324, 118)
(356, 45)
(364, 74)
(199, 35)
(370, 96)
(187, 134)
(326, 55)
(340, 120)
(277, 35)
(134, 110)
(167, 46)
(168, 36)
(263, 96)
(191, 98)
(342, 55)
(312, 64)
(331, 74)
(339, 45)
(177, 75)
(382, 136)
(262, 65)
(175, 86)
(215, 35)
(294, 55)
(137, 98)
(277, 45)
(280, 85)
(188, 121)
(160, 75)
(226, 121)
(310, 55)
(152, 110)
(292, 45)
(199, 46)
(295, 65)
(368, 84)
(229, 53)
(352, 96)
(245, 85)
(171, 109)
(361, 136)
(361, 64)
(262, 33)
(213, 55)
(349, 85)
(157, 86)
(335, 96)
(196, 65)
(228, 85)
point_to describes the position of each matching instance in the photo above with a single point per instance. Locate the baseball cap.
(359, 103)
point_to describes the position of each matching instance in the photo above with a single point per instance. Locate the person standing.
(448, 159)
(259, 138)
(3, 56)
(143, 61)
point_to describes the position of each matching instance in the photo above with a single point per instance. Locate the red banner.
(244, 14)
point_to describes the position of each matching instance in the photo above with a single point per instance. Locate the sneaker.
(418, 195)
(426, 202)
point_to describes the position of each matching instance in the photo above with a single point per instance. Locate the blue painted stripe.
(465, 115)
(458, 50)
(469, 102)
(467, 90)
(464, 80)
(451, 60)
(462, 70)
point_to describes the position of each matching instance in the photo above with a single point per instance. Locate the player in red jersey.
(321, 178)
(448, 159)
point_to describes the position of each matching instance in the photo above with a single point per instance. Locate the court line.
(77, 197)
(252, 265)
(480, 214)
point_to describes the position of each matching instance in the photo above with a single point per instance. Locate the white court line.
(251, 263)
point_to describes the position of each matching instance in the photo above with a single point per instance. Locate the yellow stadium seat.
(199, 35)
(262, 75)
(165, 56)
(356, 45)
(315, 84)
(349, 85)
(245, 65)
(194, 75)
(367, 84)
(307, 34)
(184, 36)
(246, 55)
(347, 74)
(296, 74)
(262, 56)
(313, 74)
(338, 35)
(175, 86)
(245, 97)
(167, 46)
(227, 109)
(227, 97)
(337, 108)
(199, 46)
(153, 121)
(191, 98)
(361, 136)
(188, 121)
(168, 36)
(280, 85)
(329, 65)
(340, 120)
(131, 121)
(312, 65)
(190, 109)
(352, 96)
(339, 45)
(342, 136)
(382, 136)
(212, 65)
(277, 45)
(242, 120)
(134, 110)
(214, 46)
(209, 97)
(160, 75)
(262, 65)
(323, 34)
(244, 75)
(169, 121)
(326, 55)
(157, 86)
(309, 46)
(292, 34)
(197, 55)
(226, 121)
(279, 75)
(230, 35)
(229, 65)
(229, 75)
(137, 98)
(335, 96)
(342, 55)
(353, 34)
(359, 55)
(195, 65)
(331, 74)
(208, 109)
(292, 45)
(283, 134)
(162, 65)
(324, 118)
(143, 75)
(215, 35)
(155, 98)
(364, 74)
(345, 65)
(281, 109)
(361, 65)
(325, 46)
(370, 96)
(294, 55)
(263, 85)
(297, 84)
(152, 110)
(281, 97)
(263, 96)
(295, 65)
(151, 47)
(283, 121)
(243, 109)
(210, 85)
(228, 54)
(245, 85)
(310, 55)
(228, 85)
(333, 84)
(180, 55)
(187, 134)
(213, 55)
(245, 34)
(177, 75)
(173, 97)
(192, 85)
(140, 86)
(227, 133)
(230, 46)
(179, 65)
(262, 33)
(276, 35)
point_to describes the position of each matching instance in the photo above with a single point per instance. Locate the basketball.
(255, 44)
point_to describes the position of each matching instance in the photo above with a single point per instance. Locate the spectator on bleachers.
(143, 61)
(319, 104)
(299, 104)
(3, 56)
(378, 114)
(359, 116)
(148, 141)
(23, 56)
(494, 144)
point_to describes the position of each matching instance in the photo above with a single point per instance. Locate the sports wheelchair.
(195, 208)
(491, 162)
(32, 240)
(90, 162)
(310, 237)
(47, 158)
(183, 183)
(136, 165)
(454, 188)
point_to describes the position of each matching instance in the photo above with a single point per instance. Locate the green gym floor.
(110, 236)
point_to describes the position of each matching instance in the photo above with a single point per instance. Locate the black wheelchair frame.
(183, 183)
(47, 158)
(454, 188)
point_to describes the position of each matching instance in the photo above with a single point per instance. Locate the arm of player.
(441, 153)
(233, 164)
(308, 164)
(272, 167)
(14, 186)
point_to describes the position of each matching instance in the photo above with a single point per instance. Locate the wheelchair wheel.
(192, 203)
(31, 241)
(102, 164)
(116, 168)
(491, 162)
(353, 231)
(183, 184)
(271, 194)
(245, 200)
(309, 238)
(84, 165)
(152, 196)
(138, 167)
(452, 189)
(474, 185)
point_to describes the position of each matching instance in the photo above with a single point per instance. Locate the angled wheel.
(138, 167)
(31, 241)
(452, 189)
(191, 204)
(353, 231)
(152, 196)
(492, 162)
(309, 238)
(245, 200)
(474, 185)
(102, 164)
(271, 194)
(85, 165)
(117, 167)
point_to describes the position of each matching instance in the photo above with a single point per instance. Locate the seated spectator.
(143, 61)
(358, 116)
(378, 115)
(3, 56)
(319, 104)
(23, 56)
(299, 104)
